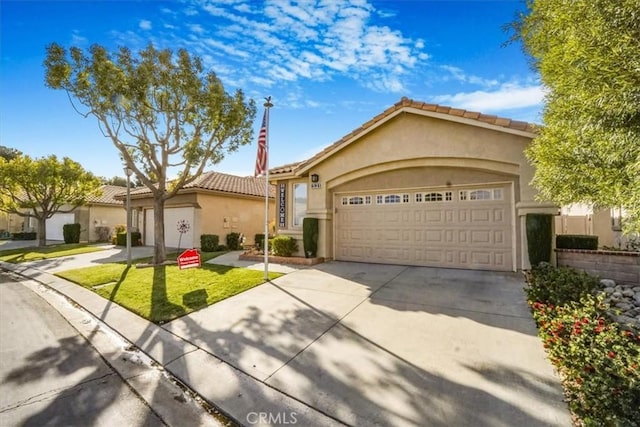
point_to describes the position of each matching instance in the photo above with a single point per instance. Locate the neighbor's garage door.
(463, 228)
(171, 235)
(55, 224)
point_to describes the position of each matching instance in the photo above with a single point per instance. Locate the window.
(448, 196)
(367, 200)
(489, 194)
(379, 200)
(345, 201)
(405, 198)
(418, 197)
(480, 195)
(433, 197)
(299, 203)
(356, 200)
(391, 198)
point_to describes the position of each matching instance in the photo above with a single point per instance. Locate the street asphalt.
(349, 344)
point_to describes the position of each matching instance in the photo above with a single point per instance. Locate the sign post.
(189, 259)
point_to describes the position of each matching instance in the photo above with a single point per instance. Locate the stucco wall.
(222, 215)
(412, 140)
(105, 216)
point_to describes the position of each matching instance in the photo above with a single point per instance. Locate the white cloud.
(145, 24)
(507, 97)
(458, 74)
(312, 40)
(196, 28)
(78, 40)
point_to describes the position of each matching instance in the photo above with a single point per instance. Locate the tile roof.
(222, 182)
(108, 195)
(405, 103)
(285, 168)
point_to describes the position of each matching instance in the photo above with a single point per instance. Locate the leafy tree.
(587, 53)
(9, 153)
(117, 180)
(42, 187)
(162, 113)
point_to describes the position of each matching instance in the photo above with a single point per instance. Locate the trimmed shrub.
(71, 233)
(576, 241)
(599, 364)
(119, 228)
(258, 239)
(559, 286)
(233, 241)
(283, 245)
(539, 238)
(209, 242)
(310, 237)
(24, 235)
(104, 233)
(136, 238)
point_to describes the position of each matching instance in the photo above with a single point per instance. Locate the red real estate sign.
(189, 258)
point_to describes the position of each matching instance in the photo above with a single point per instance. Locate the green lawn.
(35, 254)
(164, 293)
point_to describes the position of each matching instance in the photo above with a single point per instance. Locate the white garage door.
(55, 224)
(172, 237)
(459, 228)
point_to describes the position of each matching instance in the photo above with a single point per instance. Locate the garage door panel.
(172, 238)
(481, 237)
(55, 225)
(460, 233)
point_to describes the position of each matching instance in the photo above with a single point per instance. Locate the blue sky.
(330, 65)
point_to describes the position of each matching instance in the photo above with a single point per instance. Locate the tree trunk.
(159, 253)
(42, 230)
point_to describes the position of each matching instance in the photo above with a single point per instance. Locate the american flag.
(261, 158)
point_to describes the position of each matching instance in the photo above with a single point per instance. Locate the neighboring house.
(103, 210)
(584, 219)
(100, 211)
(419, 184)
(215, 203)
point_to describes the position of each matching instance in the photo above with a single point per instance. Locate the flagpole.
(267, 106)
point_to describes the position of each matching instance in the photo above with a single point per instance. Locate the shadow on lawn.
(289, 344)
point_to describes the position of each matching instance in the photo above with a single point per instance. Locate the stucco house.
(419, 184)
(101, 210)
(215, 203)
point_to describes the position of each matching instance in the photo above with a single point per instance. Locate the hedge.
(233, 241)
(539, 238)
(209, 242)
(310, 237)
(283, 245)
(136, 238)
(24, 235)
(576, 241)
(71, 233)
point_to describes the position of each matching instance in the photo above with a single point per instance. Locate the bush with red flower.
(599, 363)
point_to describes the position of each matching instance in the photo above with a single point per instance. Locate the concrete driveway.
(379, 345)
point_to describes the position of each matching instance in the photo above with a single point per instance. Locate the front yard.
(163, 293)
(47, 252)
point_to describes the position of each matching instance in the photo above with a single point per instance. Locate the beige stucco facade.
(208, 212)
(411, 150)
(95, 215)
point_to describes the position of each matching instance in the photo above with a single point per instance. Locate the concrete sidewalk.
(237, 394)
(354, 344)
